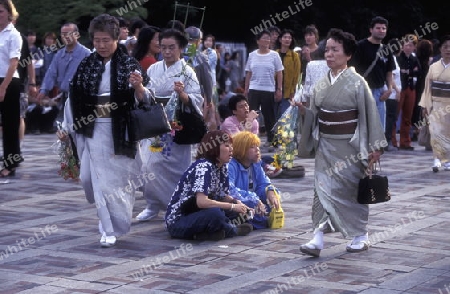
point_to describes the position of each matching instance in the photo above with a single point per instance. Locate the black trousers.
(10, 112)
(391, 118)
(265, 100)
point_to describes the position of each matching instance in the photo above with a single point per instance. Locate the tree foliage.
(48, 15)
(233, 20)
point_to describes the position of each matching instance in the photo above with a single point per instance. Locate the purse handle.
(372, 167)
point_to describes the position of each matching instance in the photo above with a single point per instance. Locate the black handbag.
(148, 120)
(194, 127)
(373, 188)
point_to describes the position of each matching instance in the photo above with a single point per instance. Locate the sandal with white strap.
(358, 244)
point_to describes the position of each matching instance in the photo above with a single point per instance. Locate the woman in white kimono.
(101, 94)
(167, 166)
(344, 129)
(436, 103)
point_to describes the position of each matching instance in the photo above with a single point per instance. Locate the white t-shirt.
(396, 79)
(10, 47)
(263, 68)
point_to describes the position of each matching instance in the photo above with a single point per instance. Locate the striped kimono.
(341, 157)
(436, 99)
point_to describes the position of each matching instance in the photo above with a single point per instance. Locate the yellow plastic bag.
(276, 216)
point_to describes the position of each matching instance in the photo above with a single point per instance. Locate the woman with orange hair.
(248, 182)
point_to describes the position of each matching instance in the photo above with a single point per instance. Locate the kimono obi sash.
(440, 89)
(103, 107)
(338, 122)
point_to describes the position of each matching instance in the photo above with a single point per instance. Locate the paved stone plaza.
(49, 241)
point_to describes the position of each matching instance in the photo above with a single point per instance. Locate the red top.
(147, 61)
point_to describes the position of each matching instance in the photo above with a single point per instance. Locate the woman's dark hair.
(347, 40)
(104, 23)
(312, 29)
(146, 35)
(213, 41)
(284, 32)
(176, 34)
(209, 147)
(260, 34)
(49, 35)
(424, 49)
(137, 24)
(123, 23)
(234, 55)
(175, 24)
(235, 100)
(444, 39)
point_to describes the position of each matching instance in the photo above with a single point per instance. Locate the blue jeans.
(209, 220)
(381, 105)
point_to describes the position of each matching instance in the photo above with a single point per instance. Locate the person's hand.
(260, 208)
(178, 87)
(241, 208)
(424, 112)
(41, 96)
(375, 156)
(61, 135)
(136, 79)
(278, 96)
(273, 199)
(301, 107)
(385, 95)
(306, 53)
(252, 115)
(32, 91)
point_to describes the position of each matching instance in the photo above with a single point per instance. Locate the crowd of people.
(353, 96)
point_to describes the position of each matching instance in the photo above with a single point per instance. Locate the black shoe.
(244, 229)
(409, 148)
(216, 236)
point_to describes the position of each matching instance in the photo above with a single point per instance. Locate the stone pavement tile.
(410, 252)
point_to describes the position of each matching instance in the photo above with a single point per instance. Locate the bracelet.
(232, 207)
(31, 84)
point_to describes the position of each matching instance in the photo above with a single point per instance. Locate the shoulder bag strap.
(374, 62)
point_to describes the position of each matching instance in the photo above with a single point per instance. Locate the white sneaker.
(146, 215)
(436, 165)
(108, 241)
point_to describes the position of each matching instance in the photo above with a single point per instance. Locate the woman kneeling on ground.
(201, 206)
